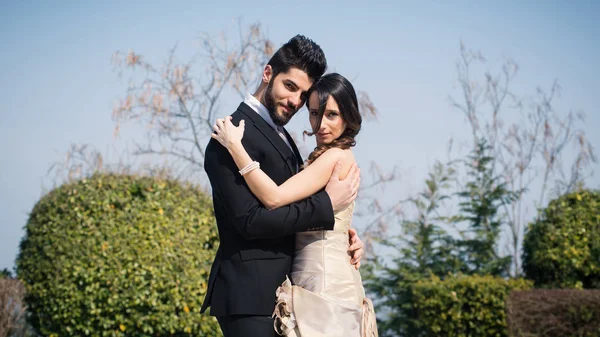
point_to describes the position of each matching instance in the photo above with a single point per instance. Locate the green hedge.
(562, 248)
(464, 306)
(554, 313)
(116, 255)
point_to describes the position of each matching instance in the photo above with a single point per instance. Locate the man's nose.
(295, 100)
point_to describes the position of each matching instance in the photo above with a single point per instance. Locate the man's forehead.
(299, 77)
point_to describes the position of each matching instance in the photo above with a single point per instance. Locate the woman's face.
(332, 123)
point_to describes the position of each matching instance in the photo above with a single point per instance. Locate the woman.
(327, 297)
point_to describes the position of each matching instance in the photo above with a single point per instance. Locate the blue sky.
(58, 87)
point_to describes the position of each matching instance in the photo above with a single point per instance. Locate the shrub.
(554, 313)
(464, 306)
(562, 248)
(117, 255)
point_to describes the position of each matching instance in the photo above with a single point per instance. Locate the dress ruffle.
(285, 320)
(285, 323)
(369, 320)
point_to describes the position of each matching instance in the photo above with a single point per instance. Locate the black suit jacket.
(256, 244)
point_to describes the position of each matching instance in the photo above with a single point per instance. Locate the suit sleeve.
(250, 218)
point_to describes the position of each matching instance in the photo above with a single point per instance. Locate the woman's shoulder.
(336, 153)
(345, 157)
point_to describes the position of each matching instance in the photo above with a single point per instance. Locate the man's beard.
(279, 120)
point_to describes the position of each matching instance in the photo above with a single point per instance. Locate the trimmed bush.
(116, 255)
(562, 248)
(554, 313)
(464, 306)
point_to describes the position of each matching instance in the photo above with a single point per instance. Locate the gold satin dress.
(325, 296)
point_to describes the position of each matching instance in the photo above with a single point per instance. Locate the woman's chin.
(323, 142)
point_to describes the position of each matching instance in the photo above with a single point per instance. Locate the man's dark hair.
(302, 53)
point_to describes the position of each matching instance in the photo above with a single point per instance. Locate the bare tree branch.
(178, 105)
(532, 150)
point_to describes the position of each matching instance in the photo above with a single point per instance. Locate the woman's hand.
(227, 134)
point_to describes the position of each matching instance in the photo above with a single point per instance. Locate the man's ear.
(267, 74)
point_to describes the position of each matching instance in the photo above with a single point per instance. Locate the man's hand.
(355, 250)
(343, 192)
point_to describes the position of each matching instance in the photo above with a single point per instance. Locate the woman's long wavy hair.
(338, 87)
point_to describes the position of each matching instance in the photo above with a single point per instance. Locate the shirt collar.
(257, 106)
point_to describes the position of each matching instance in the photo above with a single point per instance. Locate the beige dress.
(325, 296)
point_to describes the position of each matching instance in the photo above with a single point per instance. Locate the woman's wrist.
(235, 148)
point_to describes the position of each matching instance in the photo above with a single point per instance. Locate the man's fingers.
(352, 233)
(357, 257)
(356, 179)
(355, 250)
(352, 172)
(355, 191)
(356, 246)
(336, 170)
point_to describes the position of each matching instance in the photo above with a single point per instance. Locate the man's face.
(285, 94)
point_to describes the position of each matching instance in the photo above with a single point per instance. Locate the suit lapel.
(271, 135)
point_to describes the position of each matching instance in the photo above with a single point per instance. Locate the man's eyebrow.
(292, 83)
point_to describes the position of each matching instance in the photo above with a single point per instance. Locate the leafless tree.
(12, 308)
(532, 152)
(179, 102)
(77, 162)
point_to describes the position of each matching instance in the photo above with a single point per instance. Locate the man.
(257, 244)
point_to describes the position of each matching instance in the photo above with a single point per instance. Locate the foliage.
(562, 247)
(463, 306)
(423, 249)
(119, 255)
(480, 205)
(554, 313)
(5, 273)
(537, 148)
